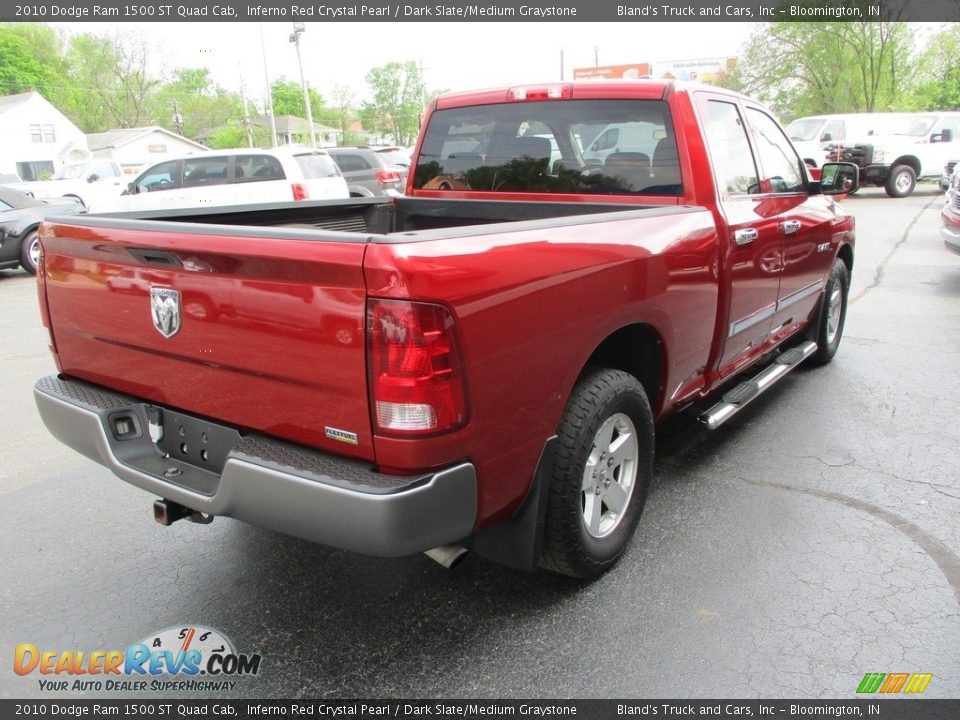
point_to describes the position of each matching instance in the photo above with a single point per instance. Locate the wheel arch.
(637, 349)
(845, 253)
(911, 161)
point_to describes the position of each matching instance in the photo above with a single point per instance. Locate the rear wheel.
(832, 314)
(901, 182)
(30, 252)
(601, 473)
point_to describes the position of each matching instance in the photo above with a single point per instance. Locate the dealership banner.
(466, 11)
(590, 709)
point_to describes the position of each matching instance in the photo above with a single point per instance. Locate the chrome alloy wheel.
(609, 475)
(834, 309)
(33, 249)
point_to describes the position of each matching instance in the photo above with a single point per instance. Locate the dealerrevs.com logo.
(191, 658)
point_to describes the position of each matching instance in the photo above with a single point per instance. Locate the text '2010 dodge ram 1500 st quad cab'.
(480, 362)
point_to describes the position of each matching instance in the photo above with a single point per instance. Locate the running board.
(737, 398)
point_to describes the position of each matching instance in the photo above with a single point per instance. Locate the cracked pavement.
(810, 540)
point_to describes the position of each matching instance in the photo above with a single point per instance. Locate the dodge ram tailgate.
(207, 321)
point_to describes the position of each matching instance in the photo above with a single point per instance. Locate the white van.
(233, 177)
(635, 137)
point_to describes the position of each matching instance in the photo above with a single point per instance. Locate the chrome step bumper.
(289, 488)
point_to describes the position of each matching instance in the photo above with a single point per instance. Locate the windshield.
(911, 125)
(595, 147)
(805, 129)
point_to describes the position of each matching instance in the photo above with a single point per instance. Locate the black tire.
(901, 182)
(29, 247)
(603, 400)
(826, 331)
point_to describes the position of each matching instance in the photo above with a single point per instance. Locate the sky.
(454, 56)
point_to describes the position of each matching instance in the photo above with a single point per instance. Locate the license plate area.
(191, 440)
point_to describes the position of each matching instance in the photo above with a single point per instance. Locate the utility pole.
(596, 56)
(266, 76)
(177, 118)
(298, 30)
(246, 112)
(561, 64)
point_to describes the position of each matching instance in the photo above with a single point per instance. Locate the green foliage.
(827, 67)
(938, 76)
(193, 105)
(29, 59)
(288, 99)
(397, 103)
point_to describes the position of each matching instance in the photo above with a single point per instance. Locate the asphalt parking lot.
(812, 539)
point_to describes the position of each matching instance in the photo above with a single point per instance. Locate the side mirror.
(92, 177)
(826, 137)
(839, 178)
(944, 135)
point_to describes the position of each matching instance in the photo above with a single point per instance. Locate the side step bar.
(737, 398)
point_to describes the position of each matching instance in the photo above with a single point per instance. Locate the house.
(36, 139)
(292, 130)
(136, 148)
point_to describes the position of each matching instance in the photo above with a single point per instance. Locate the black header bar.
(483, 11)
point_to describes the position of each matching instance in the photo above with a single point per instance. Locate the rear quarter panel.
(531, 307)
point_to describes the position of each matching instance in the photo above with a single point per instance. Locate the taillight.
(299, 192)
(416, 381)
(388, 177)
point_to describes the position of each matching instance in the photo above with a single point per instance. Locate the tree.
(938, 77)
(344, 113)
(194, 106)
(30, 59)
(111, 81)
(288, 99)
(813, 68)
(398, 100)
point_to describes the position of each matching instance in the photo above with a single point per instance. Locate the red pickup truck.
(478, 363)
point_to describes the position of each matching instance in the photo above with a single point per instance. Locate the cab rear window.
(596, 147)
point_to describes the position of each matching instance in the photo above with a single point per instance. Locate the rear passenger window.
(315, 165)
(201, 171)
(349, 162)
(258, 168)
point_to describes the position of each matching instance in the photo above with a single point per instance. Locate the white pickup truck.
(903, 148)
(85, 181)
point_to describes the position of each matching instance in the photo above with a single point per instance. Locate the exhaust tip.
(447, 555)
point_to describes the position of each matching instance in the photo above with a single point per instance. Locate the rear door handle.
(745, 236)
(789, 227)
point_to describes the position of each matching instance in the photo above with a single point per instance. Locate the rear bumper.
(288, 488)
(950, 232)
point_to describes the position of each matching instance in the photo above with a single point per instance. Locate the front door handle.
(790, 226)
(745, 236)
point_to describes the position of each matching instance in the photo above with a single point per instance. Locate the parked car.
(88, 182)
(234, 177)
(369, 173)
(20, 216)
(394, 155)
(10, 179)
(950, 216)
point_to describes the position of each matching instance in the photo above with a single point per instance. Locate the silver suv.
(369, 173)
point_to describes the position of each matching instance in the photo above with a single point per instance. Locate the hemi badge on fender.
(340, 435)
